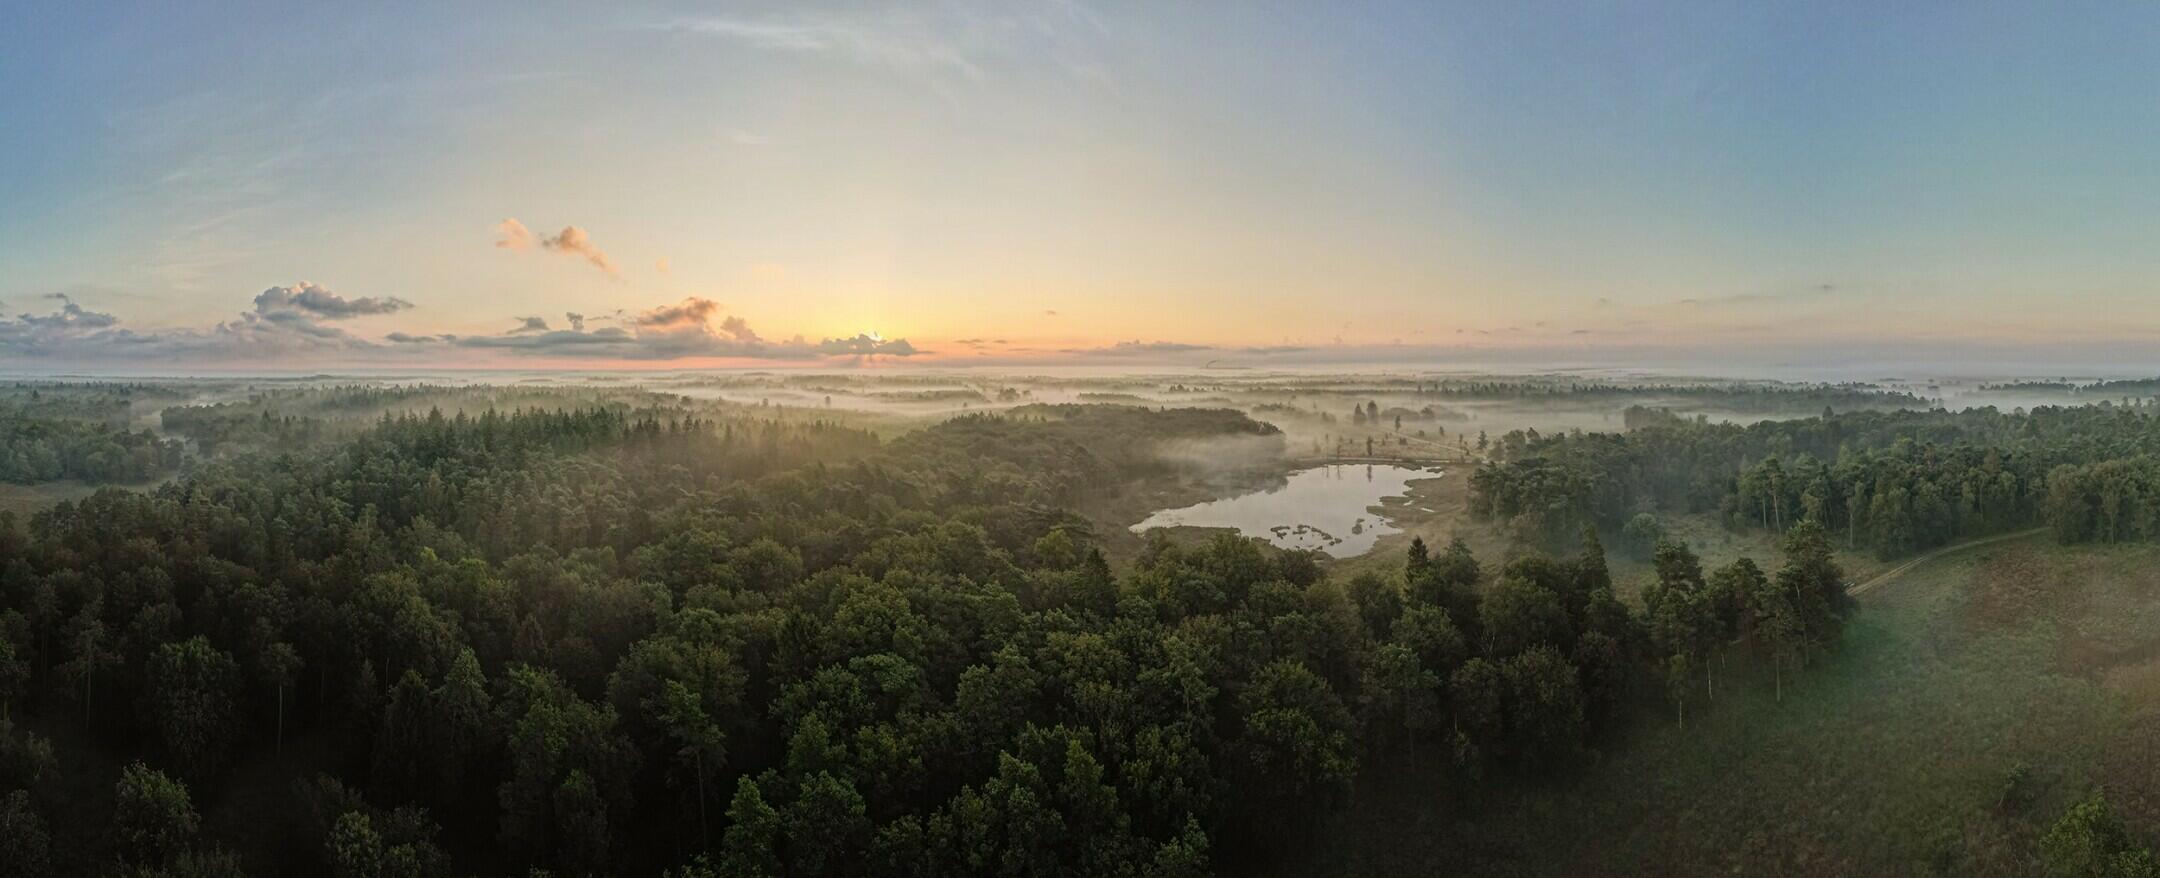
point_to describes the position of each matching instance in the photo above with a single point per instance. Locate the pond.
(1329, 508)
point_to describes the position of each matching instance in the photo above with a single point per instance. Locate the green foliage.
(25, 841)
(1891, 482)
(604, 640)
(2089, 842)
(191, 701)
(153, 818)
(35, 448)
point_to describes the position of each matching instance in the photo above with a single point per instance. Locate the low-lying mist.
(1225, 456)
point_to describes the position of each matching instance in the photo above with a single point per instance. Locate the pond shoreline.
(1340, 509)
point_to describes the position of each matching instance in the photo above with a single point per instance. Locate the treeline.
(1735, 396)
(219, 429)
(1889, 482)
(593, 643)
(111, 402)
(2127, 389)
(292, 419)
(36, 449)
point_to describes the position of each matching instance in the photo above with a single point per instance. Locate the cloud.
(575, 241)
(1139, 349)
(1266, 350)
(515, 236)
(738, 329)
(693, 311)
(684, 329)
(1772, 297)
(571, 241)
(866, 345)
(322, 304)
(285, 321)
(70, 318)
(883, 44)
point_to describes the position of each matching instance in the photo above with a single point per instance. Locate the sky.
(632, 185)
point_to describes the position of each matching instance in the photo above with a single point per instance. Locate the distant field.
(1899, 755)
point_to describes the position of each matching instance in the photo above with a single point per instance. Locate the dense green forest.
(595, 642)
(1888, 482)
(52, 431)
(34, 450)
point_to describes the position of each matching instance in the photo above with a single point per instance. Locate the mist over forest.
(915, 622)
(1079, 439)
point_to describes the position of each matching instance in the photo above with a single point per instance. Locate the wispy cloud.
(572, 241)
(891, 42)
(515, 236)
(1767, 297)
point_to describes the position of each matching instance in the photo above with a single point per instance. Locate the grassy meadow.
(1976, 696)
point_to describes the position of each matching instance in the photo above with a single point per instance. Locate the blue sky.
(1025, 182)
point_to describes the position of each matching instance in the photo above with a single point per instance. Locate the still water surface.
(1326, 507)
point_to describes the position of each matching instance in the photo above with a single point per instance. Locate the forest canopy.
(619, 641)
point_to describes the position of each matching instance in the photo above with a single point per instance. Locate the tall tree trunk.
(281, 719)
(704, 823)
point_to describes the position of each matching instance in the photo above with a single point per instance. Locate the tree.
(2090, 841)
(1398, 698)
(14, 676)
(1519, 613)
(355, 851)
(1815, 582)
(1778, 628)
(190, 693)
(152, 817)
(1544, 707)
(397, 845)
(1641, 535)
(702, 743)
(751, 846)
(25, 844)
(569, 772)
(89, 651)
(1295, 743)
(461, 728)
(404, 751)
(280, 666)
(1379, 602)
(826, 825)
(1418, 563)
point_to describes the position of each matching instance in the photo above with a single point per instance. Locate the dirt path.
(1893, 572)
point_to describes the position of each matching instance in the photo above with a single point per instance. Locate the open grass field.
(1975, 697)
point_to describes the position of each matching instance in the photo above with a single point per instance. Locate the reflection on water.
(1327, 507)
